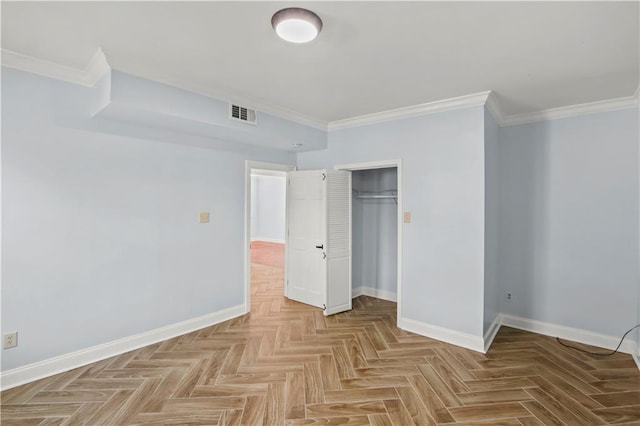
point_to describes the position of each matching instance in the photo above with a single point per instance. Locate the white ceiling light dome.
(296, 25)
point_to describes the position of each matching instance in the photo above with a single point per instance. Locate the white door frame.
(249, 166)
(382, 165)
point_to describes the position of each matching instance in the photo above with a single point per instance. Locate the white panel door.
(306, 273)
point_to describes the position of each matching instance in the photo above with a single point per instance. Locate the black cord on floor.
(596, 353)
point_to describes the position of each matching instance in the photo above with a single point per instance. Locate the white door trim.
(249, 166)
(381, 165)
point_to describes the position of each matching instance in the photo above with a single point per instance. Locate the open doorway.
(377, 229)
(265, 198)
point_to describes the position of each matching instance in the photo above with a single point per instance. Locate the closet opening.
(376, 243)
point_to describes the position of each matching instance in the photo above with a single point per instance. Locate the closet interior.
(375, 232)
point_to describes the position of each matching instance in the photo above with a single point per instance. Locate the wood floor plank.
(542, 413)
(398, 412)
(368, 394)
(313, 383)
(493, 396)
(295, 403)
(408, 370)
(22, 411)
(556, 407)
(619, 415)
(447, 396)
(286, 363)
(619, 399)
(253, 412)
(430, 399)
(488, 412)
(275, 404)
(380, 420)
(416, 409)
(617, 385)
(500, 384)
(583, 414)
(372, 382)
(331, 421)
(530, 421)
(110, 407)
(138, 399)
(86, 411)
(332, 409)
(230, 390)
(180, 405)
(202, 417)
(52, 397)
(231, 418)
(330, 378)
(343, 363)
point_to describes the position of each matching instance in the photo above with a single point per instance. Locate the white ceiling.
(369, 57)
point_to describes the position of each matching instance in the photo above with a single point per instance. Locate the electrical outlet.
(509, 298)
(10, 340)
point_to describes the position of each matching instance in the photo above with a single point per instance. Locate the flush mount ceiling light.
(296, 25)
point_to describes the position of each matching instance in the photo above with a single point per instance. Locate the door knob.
(320, 246)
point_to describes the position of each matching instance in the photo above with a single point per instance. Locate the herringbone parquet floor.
(285, 363)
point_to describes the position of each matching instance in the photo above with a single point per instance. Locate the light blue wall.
(375, 231)
(491, 220)
(443, 188)
(100, 228)
(101, 238)
(268, 201)
(569, 221)
(134, 99)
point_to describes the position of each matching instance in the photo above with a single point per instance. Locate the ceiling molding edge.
(494, 108)
(226, 96)
(572, 111)
(98, 65)
(87, 77)
(459, 102)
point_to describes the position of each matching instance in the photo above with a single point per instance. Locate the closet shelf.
(375, 195)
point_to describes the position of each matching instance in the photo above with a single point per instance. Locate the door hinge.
(324, 255)
(324, 307)
(324, 176)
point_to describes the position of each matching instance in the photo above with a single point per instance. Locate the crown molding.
(226, 96)
(98, 65)
(84, 77)
(494, 108)
(571, 111)
(460, 102)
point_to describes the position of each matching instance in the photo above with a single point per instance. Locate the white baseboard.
(356, 291)
(568, 333)
(469, 341)
(39, 370)
(491, 332)
(268, 240)
(391, 296)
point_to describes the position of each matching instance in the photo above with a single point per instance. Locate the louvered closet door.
(338, 249)
(319, 239)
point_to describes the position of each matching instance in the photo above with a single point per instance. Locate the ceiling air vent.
(243, 114)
